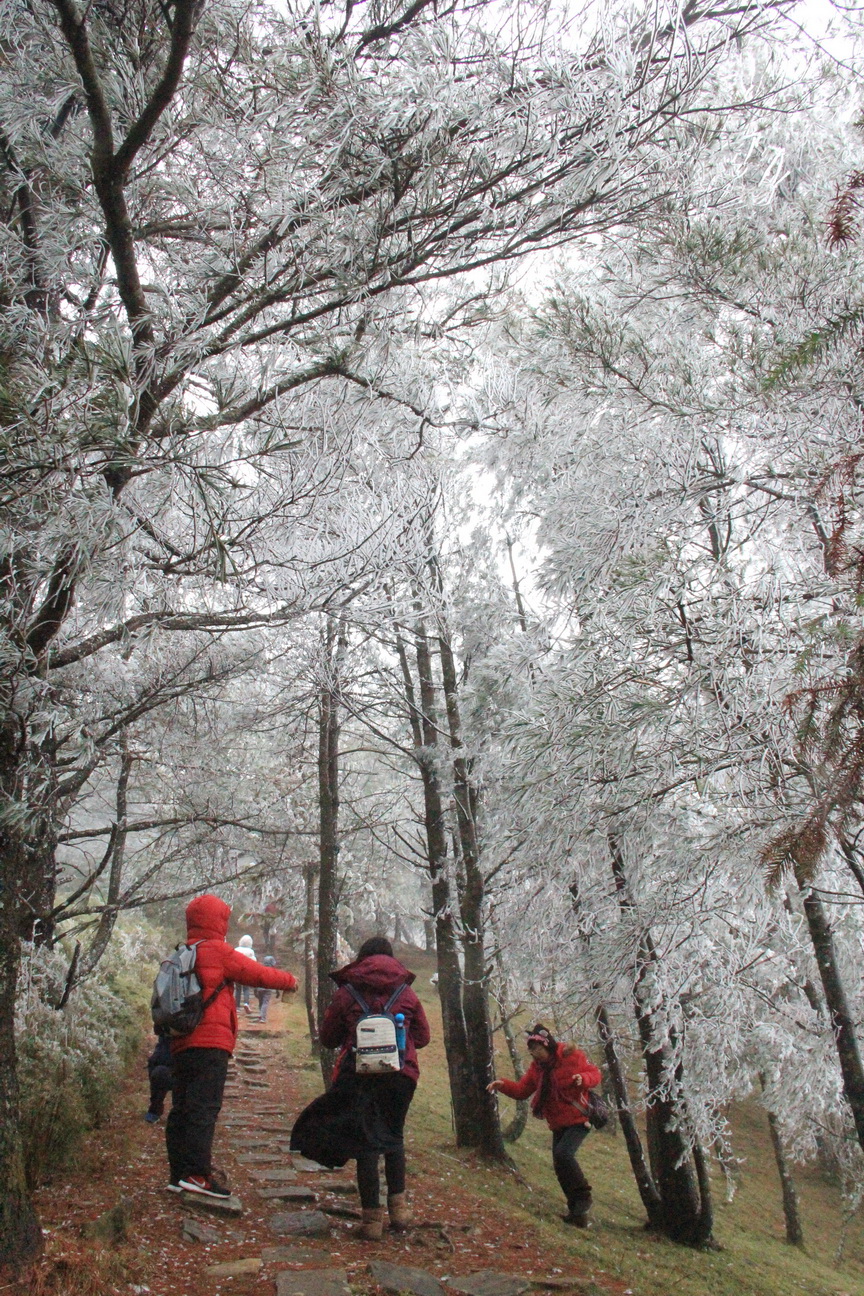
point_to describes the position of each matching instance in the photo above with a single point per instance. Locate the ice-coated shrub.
(71, 1059)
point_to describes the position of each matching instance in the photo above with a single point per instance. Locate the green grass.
(754, 1259)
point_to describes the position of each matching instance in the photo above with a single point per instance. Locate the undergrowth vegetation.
(72, 1056)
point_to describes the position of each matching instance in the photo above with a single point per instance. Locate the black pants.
(384, 1103)
(368, 1183)
(199, 1079)
(161, 1082)
(575, 1187)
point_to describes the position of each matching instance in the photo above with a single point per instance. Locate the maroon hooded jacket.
(375, 977)
(567, 1104)
(207, 921)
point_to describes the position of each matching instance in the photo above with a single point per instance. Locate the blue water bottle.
(400, 1033)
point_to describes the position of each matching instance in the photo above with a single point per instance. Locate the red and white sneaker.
(205, 1185)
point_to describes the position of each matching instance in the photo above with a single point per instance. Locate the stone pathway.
(268, 1242)
(293, 1223)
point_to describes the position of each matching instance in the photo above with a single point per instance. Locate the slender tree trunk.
(475, 989)
(429, 933)
(651, 1198)
(108, 918)
(791, 1213)
(687, 1214)
(424, 728)
(20, 1234)
(328, 807)
(516, 1128)
(310, 988)
(842, 1021)
(704, 1236)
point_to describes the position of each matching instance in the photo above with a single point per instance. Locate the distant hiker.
(160, 1070)
(559, 1077)
(264, 996)
(242, 993)
(363, 1114)
(201, 1058)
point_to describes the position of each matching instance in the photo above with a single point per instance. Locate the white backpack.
(378, 1049)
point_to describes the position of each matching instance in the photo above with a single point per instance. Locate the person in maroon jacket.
(559, 1077)
(381, 1101)
(201, 1058)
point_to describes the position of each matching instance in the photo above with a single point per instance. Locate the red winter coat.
(207, 921)
(567, 1100)
(375, 977)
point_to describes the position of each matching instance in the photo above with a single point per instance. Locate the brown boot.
(399, 1211)
(372, 1227)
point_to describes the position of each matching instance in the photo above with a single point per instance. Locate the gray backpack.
(178, 1005)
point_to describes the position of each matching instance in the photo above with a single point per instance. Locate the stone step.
(342, 1212)
(215, 1205)
(293, 1255)
(197, 1231)
(287, 1192)
(234, 1268)
(301, 1224)
(275, 1174)
(404, 1278)
(314, 1282)
(485, 1282)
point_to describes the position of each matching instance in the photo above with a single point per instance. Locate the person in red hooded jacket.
(381, 1102)
(201, 1058)
(559, 1077)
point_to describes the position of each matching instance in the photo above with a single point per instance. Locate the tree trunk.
(685, 1192)
(475, 988)
(108, 918)
(429, 933)
(328, 807)
(20, 1234)
(651, 1198)
(648, 1191)
(424, 730)
(791, 1214)
(310, 989)
(842, 1021)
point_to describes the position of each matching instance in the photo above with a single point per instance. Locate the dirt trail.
(175, 1243)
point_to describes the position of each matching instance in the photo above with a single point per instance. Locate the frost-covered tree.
(210, 208)
(688, 473)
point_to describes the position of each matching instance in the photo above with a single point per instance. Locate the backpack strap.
(395, 995)
(357, 995)
(211, 998)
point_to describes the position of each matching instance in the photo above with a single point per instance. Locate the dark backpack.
(597, 1110)
(178, 1004)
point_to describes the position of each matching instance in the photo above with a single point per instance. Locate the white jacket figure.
(246, 947)
(243, 994)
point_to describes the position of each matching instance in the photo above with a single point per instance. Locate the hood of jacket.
(377, 973)
(207, 918)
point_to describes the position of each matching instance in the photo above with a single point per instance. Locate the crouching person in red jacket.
(559, 1077)
(201, 1058)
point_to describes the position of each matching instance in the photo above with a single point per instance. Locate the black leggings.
(368, 1183)
(575, 1187)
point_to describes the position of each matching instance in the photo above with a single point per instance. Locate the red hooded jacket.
(375, 977)
(207, 921)
(567, 1100)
